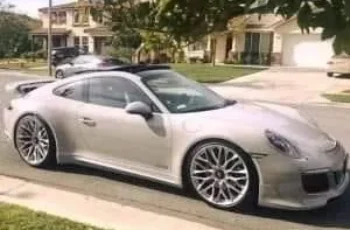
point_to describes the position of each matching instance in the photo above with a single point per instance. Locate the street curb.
(87, 209)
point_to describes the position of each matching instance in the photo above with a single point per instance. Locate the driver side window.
(115, 92)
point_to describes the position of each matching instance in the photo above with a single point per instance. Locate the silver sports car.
(150, 121)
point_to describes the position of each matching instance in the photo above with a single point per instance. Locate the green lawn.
(17, 218)
(205, 73)
(21, 65)
(342, 98)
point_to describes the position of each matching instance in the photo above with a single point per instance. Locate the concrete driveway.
(283, 85)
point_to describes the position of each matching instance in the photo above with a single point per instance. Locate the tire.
(230, 192)
(330, 74)
(34, 142)
(59, 74)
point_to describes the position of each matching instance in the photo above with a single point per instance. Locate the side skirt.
(78, 160)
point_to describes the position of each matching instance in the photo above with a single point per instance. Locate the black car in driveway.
(63, 53)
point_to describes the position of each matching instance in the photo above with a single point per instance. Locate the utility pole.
(49, 40)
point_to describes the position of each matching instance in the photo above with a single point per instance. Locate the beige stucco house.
(73, 25)
(265, 40)
(269, 40)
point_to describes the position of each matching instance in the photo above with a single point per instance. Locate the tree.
(174, 23)
(14, 30)
(333, 16)
(187, 21)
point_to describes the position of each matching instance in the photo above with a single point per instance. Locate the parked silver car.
(150, 121)
(86, 62)
(339, 64)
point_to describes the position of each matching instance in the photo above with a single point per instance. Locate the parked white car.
(339, 64)
(87, 62)
(149, 121)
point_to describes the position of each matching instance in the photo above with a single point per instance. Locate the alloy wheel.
(219, 175)
(59, 74)
(32, 140)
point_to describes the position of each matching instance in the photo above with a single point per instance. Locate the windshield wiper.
(203, 109)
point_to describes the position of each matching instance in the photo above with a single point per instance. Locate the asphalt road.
(174, 202)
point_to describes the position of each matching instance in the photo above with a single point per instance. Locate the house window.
(86, 44)
(76, 16)
(54, 17)
(77, 42)
(86, 16)
(62, 17)
(252, 41)
(257, 42)
(200, 45)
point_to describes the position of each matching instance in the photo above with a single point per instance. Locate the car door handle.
(87, 121)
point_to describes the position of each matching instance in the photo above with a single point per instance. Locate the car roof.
(129, 68)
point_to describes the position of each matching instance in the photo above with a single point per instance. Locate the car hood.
(283, 120)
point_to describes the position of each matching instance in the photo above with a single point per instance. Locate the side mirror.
(139, 108)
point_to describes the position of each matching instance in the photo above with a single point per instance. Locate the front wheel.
(34, 142)
(330, 74)
(59, 74)
(223, 176)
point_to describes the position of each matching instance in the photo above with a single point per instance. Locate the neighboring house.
(73, 25)
(269, 40)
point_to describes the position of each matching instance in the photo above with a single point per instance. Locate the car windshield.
(180, 94)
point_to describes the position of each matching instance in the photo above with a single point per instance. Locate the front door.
(98, 42)
(114, 136)
(229, 41)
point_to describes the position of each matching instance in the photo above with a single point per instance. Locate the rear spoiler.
(23, 87)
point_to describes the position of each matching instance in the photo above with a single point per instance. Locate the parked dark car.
(63, 53)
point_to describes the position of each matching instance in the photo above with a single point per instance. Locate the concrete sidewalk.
(87, 209)
(283, 85)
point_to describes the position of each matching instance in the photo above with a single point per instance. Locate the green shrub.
(41, 54)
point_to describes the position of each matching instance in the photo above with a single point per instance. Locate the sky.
(31, 7)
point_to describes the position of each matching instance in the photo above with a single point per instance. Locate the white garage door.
(306, 50)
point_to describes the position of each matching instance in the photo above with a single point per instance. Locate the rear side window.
(74, 91)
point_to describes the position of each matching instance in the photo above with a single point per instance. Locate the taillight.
(103, 64)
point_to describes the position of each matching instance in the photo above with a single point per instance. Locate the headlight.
(282, 144)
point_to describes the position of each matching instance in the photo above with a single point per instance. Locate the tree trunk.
(173, 55)
(138, 53)
(213, 51)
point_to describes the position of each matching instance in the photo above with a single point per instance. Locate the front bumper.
(286, 185)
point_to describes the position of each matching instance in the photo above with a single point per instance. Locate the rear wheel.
(223, 176)
(330, 74)
(59, 74)
(34, 142)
